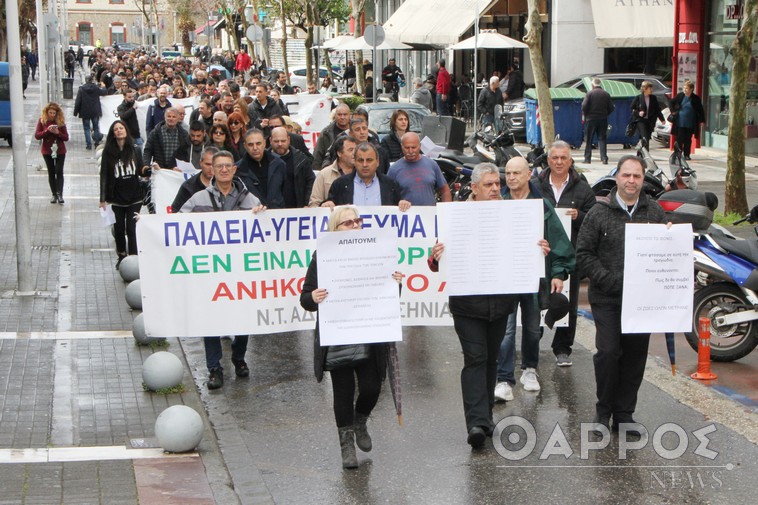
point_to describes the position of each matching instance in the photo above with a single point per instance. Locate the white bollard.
(129, 268)
(162, 370)
(139, 332)
(179, 429)
(134, 295)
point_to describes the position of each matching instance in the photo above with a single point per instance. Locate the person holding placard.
(480, 322)
(620, 358)
(365, 362)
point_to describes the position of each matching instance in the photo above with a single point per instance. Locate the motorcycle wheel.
(731, 342)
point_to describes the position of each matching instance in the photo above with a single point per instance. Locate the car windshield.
(379, 120)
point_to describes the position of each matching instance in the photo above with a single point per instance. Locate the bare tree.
(533, 39)
(735, 198)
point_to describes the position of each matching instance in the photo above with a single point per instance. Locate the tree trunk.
(284, 42)
(735, 198)
(533, 39)
(309, 55)
(358, 6)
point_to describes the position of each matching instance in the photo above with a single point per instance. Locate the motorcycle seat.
(745, 249)
(459, 157)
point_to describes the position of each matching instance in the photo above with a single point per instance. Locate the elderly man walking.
(596, 107)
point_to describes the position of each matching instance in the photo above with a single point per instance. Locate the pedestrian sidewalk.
(72, 405)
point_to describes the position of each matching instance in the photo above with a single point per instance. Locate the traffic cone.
(704, 352)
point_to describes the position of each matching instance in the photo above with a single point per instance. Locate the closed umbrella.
(672, 351)
(393, 373)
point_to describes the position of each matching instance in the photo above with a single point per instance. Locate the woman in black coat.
(645, 110)
(120, 186)
(351, 415)
(399, 124)
(687, 113)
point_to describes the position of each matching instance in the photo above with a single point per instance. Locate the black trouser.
(480, 342)
(644, 130)
(684, 138)
(597, 127)
(619, 364)
(564, 335)
(343, 388)
(125, 228)
(55, 172)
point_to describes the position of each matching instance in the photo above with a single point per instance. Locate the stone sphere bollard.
(129, 268)
(140, 335)
(162, 370)
(134, 295)
(179, 429)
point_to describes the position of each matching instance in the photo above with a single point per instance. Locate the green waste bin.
(68, 88)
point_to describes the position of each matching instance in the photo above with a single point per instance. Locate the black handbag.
(631, 128)
(543, 295)
(338, 356)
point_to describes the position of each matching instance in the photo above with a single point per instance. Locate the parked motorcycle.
(656, 181)
(727, 271)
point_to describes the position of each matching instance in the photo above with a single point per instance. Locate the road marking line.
(63, 335)
(70, 454)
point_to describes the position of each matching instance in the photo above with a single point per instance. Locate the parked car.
(170, 54)
(297, 76)
(660, 90)
(128, 47)
(379, 115)
(513, 117)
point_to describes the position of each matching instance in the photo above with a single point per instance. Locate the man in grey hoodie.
(420, 94)
(225, 192)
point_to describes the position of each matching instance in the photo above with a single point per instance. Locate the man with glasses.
(570, 193)
(225, 192)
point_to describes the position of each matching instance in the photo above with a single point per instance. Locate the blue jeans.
(442, 106)
(213, 350)
(530, 340)
(94, 124)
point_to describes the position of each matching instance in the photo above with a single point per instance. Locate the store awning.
(437, 23)
(633, 24)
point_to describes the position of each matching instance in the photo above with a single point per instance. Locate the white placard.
(658, 279)
(363, 305)
(186, 167)
(492, 247)
(107, 217)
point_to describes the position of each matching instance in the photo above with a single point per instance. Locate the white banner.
(164, 185)
(237, 273)
(311, 112)
(658, 279)
(110, 104)
(362, 306)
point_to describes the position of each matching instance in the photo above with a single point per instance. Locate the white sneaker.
(503, 392)
(529, 379)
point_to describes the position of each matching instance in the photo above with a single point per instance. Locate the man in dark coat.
(620, 357)
(262, 171)
(127, 111)
(569, 193)
(515, 87)
(157, 110)
(488, 98)
(261, 109)
(364, 186)
(298, 176)
(87, 107)
(596, 107)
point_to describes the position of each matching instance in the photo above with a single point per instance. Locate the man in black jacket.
(167, 143)
(596, 107)
(261, 109)
(620, 358)
(128, 114)
(298, 176)
(296, 141)
(87, 107)
(327, 136)
(488, 98)
(197, 182)
(364, 186)
(262, 171)
(569, 193)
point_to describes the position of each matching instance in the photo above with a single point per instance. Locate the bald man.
(420, 179)
(298, 178)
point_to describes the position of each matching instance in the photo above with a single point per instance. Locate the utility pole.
(20, 181)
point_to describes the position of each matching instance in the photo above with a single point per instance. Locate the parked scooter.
(727, 271)
(656, 181)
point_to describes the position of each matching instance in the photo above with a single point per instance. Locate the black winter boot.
(362, 438)
(347, 446)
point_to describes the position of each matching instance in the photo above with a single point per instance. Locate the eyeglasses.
(219, 133)
(358, 221)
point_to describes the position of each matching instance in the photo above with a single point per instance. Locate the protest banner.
(658, 279)
(109, 105)
(235, 273)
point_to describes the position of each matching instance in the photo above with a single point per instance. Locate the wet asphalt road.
(285, 421)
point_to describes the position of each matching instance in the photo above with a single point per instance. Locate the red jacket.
(443, 82)
(48, 137)
(243, 62)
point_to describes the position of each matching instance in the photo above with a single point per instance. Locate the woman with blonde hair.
(365, 362)
(51, 130)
